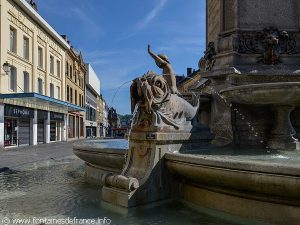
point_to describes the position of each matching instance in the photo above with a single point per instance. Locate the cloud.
(151, 15)
(89, 24)
(144, 22)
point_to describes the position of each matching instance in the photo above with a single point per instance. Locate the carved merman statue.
(168, 72)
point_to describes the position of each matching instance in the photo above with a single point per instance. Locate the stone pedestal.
(144, 178)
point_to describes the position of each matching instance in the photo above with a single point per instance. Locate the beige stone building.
(188, 82)
(100, 115)
(32, 86)
(75, 93)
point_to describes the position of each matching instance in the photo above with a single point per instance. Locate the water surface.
(57, 189)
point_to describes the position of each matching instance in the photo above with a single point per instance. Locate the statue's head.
(163, 57)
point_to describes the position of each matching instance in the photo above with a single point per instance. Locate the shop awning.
(38, 101)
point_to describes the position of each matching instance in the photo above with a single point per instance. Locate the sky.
(113, 36)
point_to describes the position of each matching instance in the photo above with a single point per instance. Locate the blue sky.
(113, 36)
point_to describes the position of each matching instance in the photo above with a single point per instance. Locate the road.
(15, 157)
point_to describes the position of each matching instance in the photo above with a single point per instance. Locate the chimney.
(189, 71)
(66, 38)
(33, 4)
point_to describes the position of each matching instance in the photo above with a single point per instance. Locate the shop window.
(26, 81)
(81, 127)
(51, 90)
(51, 64)
(13, 78)
(40, 86)
(13, 40)
(40, 57)
(58, 68)
(71, 128)
(25, 48)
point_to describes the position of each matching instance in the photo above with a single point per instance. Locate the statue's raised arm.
(162, 62)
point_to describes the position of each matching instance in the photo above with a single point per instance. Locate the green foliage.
(125, 118)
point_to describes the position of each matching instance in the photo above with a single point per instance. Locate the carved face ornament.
(153, 91)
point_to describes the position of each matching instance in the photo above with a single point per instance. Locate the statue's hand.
(149, 48)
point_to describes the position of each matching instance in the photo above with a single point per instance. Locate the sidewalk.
(14, 157)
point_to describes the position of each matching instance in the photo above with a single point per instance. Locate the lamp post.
(6, 67)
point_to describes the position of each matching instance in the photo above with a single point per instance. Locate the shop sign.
(42, 115)
(56, 116)
(18, 111)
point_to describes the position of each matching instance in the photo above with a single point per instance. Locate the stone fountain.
(255, 72)
(244, 160)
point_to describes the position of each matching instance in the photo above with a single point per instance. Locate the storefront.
(31, 119)
(42, 117)
(90, 131)
(75, 126)
(17, 125)
(56, 121)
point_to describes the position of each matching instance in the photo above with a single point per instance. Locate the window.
(75, 97)
(51, 64)
(67, 69)
(82, 101)
(81, 127)
(51, 90)
(26, 81)
(13, 79)
(79, 81)
(13, 40)
(40, 57)
(58, 68)
(40, 86)
(79, 99)
(71, 72)
(71, 130)
(25, 48)
(68, 93)
(71, 95)
(75, 76)
(58, 92)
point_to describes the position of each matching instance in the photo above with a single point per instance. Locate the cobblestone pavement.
(14, 157)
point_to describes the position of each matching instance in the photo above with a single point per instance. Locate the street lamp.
(6, 67)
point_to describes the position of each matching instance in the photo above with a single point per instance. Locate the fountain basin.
(101, 156)
(282, 97)
(279, 93)
(244, 186)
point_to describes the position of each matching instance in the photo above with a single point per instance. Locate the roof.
(39, 101)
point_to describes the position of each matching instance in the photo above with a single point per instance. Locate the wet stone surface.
(57, 189)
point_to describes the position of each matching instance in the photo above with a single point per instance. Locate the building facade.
(105, 119)
(100, 115)
(32, 100)
(114, 122)
(186, 83)
(75, 92)
(92, 91)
